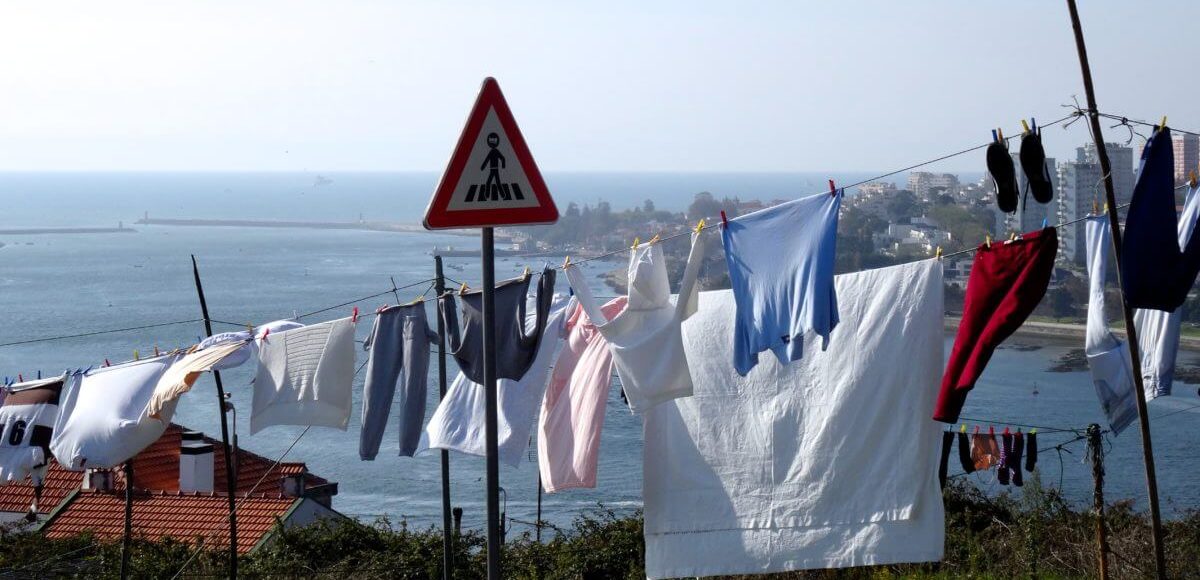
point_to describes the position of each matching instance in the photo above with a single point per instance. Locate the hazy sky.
(614, 85)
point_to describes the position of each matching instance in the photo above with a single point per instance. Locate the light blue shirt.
(781, 262)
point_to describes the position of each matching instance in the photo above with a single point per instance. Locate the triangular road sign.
(491, 179)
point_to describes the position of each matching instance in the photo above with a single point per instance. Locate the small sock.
(1005, 448)
(964, 453)
(944, 465)
(1031, 451)
(1018, 447)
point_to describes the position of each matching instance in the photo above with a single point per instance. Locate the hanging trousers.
(1007, 281)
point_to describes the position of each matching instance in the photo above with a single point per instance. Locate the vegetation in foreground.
(1033, 534)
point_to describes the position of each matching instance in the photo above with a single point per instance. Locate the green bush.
(1033, 532)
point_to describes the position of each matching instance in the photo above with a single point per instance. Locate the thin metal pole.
(1096, 450)
(447, 537)
(127, 541)
(1130, 328)
(490, 420)
(230, 482)
(538, 527)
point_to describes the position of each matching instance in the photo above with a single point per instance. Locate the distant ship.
(322, 180)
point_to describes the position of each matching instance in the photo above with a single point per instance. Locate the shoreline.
(1067, 332)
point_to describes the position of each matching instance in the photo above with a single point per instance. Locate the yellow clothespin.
(700, 226)
(1163, 125)
(987, 240)
(963, 428)
(526, 274)
(1012, 236)
(462, 289)
(566, 262)
(417, 300)
(652, 240)
(1106, 207)
(938, 253)
(1000, 132)
(250, 328)
(135, 355)
(1033, 431)
(1025, 126)
(636, 241)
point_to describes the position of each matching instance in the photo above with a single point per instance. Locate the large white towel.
(830, 461)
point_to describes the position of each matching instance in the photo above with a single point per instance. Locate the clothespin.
(354, 315)
(106, 363)
(1012, 236)
(963, 428)
(526, 274)
(832, 188)
(652, 240)
(249, 328)
(724, 220)
(135, 355)
(700, 224)
(265, 333)
(1033, 122)
(1001, 132)
(1033, 431)
(39, 374)
(156, 350)
(937, 253)
(1007, 432)
(1025, 126)
(1095, 207)
(566, 263)
(995, 137)
(1044, 224)
(977, 429)
(636, 241)
(21, 377)
(1192, 178)
(992, 430)
(1163, 125)
(987, 240)
(462, 289)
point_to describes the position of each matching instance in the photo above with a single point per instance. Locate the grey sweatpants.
(399, 355)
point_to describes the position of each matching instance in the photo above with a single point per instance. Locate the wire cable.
(99, 332)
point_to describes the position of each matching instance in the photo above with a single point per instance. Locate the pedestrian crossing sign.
(491, 179)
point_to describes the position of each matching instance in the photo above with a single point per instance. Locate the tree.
(702, 206)
(648, 206)
(902, 206)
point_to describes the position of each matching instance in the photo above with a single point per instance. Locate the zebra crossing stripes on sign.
(491, 179)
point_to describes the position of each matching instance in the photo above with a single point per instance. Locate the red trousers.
(1007, 282)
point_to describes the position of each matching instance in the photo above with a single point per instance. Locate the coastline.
(1067, 333)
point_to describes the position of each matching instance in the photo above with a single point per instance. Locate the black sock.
(1014, 458)
(1005, 453)
(1031, 452)
(964, 453)
(947, 443)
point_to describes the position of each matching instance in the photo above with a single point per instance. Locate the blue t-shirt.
(781, 262)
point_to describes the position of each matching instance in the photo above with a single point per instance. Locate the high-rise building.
(1079, 192)
(1187, 154)
(924, 184)
(1121, 160)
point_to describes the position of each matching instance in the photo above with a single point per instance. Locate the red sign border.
(437, 215)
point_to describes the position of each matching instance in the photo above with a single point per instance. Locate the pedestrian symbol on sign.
(493, 189)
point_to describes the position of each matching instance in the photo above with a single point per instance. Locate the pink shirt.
(573, 409)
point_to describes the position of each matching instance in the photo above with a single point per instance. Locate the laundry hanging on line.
(1107, 356)
(1008, 280)
(1158, 331)
(399, 346)
(305, 377)
(645, 339)
(781, 262)
(27, 416)
(516, 344)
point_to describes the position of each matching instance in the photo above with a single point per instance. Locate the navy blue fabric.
(1156, 273)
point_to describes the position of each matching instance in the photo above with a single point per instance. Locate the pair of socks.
(1010, 459)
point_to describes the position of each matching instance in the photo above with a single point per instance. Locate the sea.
(67, 284)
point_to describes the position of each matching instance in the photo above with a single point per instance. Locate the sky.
(596, 86)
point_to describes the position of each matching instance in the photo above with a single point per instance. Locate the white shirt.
(103, 420)
(645, 338)
(305, 377)
(458, 422)
(1107, 356)
(27, 418)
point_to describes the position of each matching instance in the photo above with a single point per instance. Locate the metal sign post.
(447, 537)
(491, 180)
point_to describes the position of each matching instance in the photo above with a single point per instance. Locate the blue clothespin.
(995, 137)
(1033, 123)
(1043, 223)
(39, 374)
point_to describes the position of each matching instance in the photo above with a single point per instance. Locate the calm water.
(52, 285)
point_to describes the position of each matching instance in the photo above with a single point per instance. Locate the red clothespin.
(724, 220)
(977, 429)
(832, 188)
(991, 430)
(1007, 432)
(354, 315)
(266, 331)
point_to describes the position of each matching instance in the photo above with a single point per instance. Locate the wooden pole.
(1130, 328)
(127, 540)
(1096, 452)
(447, 538)
(230, 481)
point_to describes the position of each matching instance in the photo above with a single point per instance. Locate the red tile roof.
(156, 468)
(183, 516)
